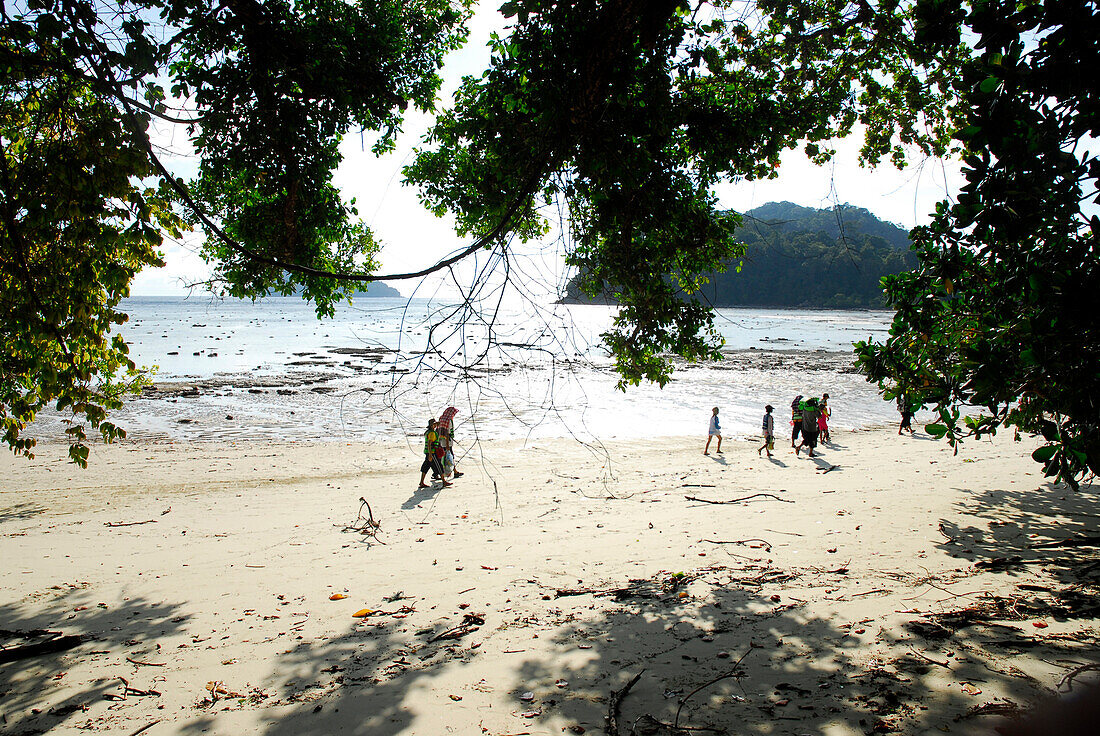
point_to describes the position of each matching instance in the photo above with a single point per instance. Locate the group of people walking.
(439, 450)
(809, 420)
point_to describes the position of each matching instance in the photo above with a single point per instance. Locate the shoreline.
(549, 576)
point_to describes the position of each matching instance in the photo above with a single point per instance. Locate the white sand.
(227, 588)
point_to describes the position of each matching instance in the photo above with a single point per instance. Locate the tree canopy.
(621, 115)
(263, 90)
(1002, 311)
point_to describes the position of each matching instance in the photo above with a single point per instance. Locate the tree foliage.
(265, 90)
(625, 115)
(1002, 312)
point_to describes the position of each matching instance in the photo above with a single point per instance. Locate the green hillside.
(802, 257)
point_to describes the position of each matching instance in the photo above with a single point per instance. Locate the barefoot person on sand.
(810, 413)
(796, 418)
(905, 408)
(431, 440)
(768, 425)
(714, 430)
(823, 420)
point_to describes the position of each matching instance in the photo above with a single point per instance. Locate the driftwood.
(739, 500)
(1092, 541)
(129, 523)
(53, 642)
(615, 704)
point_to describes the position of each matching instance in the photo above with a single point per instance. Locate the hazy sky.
(414, 238)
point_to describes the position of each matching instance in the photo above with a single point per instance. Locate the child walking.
(713, 431)
(768, 425)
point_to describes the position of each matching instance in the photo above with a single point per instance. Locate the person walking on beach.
(823, 419)
(810, 413)
(905, 408)
(431, 441)
(796, 418)
(768, 425)
(714, 430)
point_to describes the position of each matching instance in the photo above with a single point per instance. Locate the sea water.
(378, 369)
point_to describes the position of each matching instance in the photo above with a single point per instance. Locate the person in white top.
(714, 431)
(768, 425)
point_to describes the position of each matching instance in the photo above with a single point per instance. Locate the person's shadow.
(420, 495)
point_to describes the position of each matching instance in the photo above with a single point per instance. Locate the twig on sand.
(146, 727)
(129, 523)
(1068, 679)
(739, 500)
(735, 671)
(369, 526)
(470, 622)
(615, 704)
(767, 545)
(698, 485)
(145, 664)
(929, 659)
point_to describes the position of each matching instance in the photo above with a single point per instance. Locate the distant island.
(371, 290)
(800, 257)
(377, 289)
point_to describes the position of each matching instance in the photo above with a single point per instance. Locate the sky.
(413, 238)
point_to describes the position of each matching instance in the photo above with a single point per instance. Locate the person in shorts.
(431, 462)
(768, 425)
(714, 430)
(796, 418)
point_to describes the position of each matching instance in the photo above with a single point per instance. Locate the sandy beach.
(888, 586)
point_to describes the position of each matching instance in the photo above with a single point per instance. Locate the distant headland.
(804, 258)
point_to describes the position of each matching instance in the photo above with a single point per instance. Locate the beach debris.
(363, 613)
(130, 523)
(750, 543)
(337, 597)
(615, 705)
(1004, 708)
(17, 645)
(742, 499)
(527, 697)
(470, 622)
(145, 664)
(368, 526)
(146, 727)
(127, 691)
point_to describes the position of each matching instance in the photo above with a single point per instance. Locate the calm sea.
(229, 369)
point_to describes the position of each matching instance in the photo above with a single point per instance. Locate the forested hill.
(808, 258)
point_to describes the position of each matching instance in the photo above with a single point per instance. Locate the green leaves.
(626, 117)
(1015, 335)
(85, 200)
